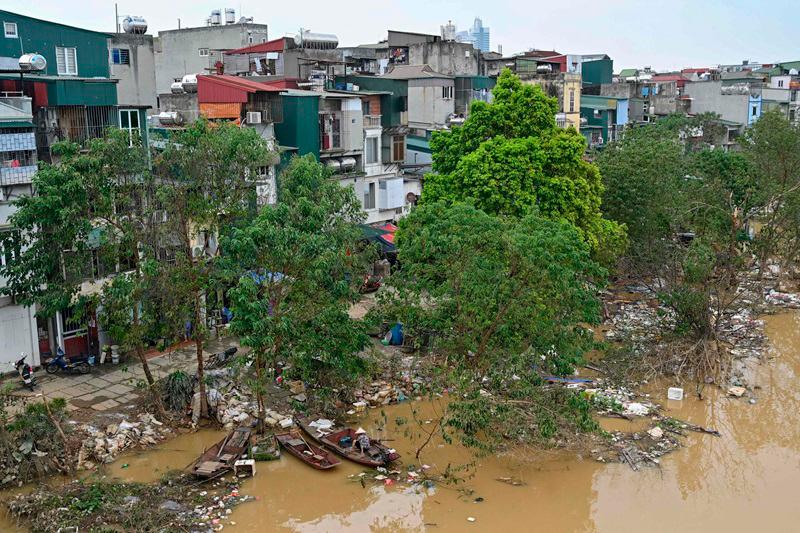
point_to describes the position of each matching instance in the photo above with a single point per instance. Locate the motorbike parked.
(25, 372)
(60, 364)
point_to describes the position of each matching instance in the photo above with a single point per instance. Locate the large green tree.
(297, 267)
(90, 217)
(509, 158)
(207, 175)
(500, 301)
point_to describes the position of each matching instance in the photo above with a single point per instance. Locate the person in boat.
(362, 440)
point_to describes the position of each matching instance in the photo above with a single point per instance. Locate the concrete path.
(110, 386)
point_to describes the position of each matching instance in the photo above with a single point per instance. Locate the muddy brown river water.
(744, 481)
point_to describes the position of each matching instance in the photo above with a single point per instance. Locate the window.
(120, 56)
(780, 82)
(369, 196)
(572, 100)
(129, 121)
(372, 151)
(447, 92)
(10, 29)
(202, 52)
(755, 110)
(67, 61)
(646, 107)
(263, 39)
(9, 247)
(398, 148)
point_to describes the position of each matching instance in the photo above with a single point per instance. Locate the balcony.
(14, 142)
(17, 175)
(372, 121)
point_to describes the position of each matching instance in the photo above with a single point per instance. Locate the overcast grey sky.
(664, 35)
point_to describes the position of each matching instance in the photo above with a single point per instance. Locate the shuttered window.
(67, 61)
(120, 56)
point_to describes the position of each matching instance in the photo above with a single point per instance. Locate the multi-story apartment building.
(18, 331)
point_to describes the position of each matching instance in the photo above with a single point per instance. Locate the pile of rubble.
(104, 445)
(380, 393)
(234, 404)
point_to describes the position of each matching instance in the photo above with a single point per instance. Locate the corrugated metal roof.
(276, 45)
(628, 72)
(223, 88)
(16, 124)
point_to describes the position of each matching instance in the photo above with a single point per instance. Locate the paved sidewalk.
(111, 386)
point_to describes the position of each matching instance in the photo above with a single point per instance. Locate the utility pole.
(116, 17)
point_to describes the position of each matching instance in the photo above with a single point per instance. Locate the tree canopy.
(502, 300)
(509, 158)
(296, 268)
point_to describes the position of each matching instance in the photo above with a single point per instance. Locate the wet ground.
(744, 481)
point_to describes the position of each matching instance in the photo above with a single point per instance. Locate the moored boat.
(341, 440)
(220, 457)
(314, 456)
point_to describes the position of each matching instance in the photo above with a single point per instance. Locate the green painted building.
(73, 98)
(298, 133)
(597, 72)
(69, 51)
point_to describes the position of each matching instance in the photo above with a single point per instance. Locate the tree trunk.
(139, 350)
(198, 341)
(262, 411)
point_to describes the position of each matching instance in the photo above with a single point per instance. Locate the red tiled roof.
(694, 70)
(276, 45)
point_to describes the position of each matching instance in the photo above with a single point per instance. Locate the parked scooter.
(60, 364)
(25, 372)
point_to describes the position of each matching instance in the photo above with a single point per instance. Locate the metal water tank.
(319, 41)
(544, 69)
(230, 15)
(216, 17)
(170, 118)
(333, 164)
(32, 62)
(348, 164)
(177, 88)
(134, 24)
(189, 83)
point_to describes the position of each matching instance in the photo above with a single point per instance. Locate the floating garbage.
(675, 393)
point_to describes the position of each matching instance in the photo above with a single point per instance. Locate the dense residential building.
(132, 64)
(651, 97)
(604, 118)
(73, 97)
(18, 326)
(200, 50)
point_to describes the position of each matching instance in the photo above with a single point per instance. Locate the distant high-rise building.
(478, 35)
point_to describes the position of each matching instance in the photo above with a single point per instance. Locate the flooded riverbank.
(743, 480)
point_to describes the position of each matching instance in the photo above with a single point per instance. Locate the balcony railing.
(17, 175)
(372, 121)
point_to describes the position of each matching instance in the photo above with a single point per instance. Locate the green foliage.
(504, 300)
(178, 389)
(296, 268)
(509, 158)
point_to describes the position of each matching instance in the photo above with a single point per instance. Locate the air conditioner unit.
(254, 117)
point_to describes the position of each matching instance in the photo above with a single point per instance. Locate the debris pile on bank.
(104, 445)
(174, 504)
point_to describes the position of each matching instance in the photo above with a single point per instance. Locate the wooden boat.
(221, 456)
(376, 455)
(313, 456)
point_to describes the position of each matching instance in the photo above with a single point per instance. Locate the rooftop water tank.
(216, 17)
(177, 88)
(170, 118)
(134, 24)
(32, 62)
(189, 83)
(333, 164)
(348, 164)
(319, 41)
(544, 69)
(230, 15)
